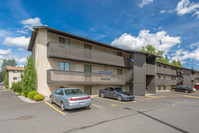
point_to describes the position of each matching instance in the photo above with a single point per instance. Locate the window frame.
(64, 66)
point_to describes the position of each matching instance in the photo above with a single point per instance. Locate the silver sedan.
(70, 98)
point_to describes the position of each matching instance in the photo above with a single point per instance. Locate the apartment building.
(15, 74)
(66, 60)
(168, 76)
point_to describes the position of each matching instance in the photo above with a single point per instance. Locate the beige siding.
(11, 75)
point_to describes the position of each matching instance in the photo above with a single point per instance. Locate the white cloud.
(185, 7)
(4, 33)
(21, 60)
(163, 11)
(144, 2)
(21, 42)
(29, 23)
(160, 40)
(194, 44)
(5, 52)
(182, 55)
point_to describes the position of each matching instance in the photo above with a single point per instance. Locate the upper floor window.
(87, 68)
(119, 54)
(87, 46)
(65, 43)
(119, 71)
(64, 66)
(15, 71)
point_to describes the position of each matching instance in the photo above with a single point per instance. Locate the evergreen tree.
(29, 78)
(6, 81)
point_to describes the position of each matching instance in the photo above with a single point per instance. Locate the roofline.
(176, 66)
(33, 36)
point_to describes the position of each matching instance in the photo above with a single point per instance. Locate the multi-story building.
(15, 74)
(168, 76)
(63, 59)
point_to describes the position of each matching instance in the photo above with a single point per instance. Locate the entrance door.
(87, 90)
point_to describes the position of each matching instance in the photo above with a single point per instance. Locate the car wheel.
(102, 95)
(51, 100)
(119, 98)
(186, 91)
(62, 106)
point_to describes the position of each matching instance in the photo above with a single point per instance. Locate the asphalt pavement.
(171, 112)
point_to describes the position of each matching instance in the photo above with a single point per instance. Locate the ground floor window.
(165, 87)
(159, 87)
(87, 90)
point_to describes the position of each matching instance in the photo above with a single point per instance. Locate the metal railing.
(71, 77)
(166, 71)
(166, 82)
(80, 54)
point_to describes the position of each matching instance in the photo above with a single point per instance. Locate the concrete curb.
(27, 100)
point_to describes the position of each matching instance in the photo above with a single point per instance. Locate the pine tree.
(29, 78)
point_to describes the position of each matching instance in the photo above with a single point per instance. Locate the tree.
(6, 81)
(5, 63)
(29, 78)
(150, 49)
(192, 68)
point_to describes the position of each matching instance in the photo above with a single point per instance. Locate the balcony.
(56, 50)
(71, 77)
(150, 69)
(166, 82)
(165, 71)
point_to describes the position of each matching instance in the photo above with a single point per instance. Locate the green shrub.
(6, 81)
(17, 87)
(31, 94)
(38, 97)
(22, 93)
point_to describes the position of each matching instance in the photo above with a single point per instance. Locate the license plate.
(82, 103)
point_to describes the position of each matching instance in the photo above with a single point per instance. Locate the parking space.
(48, 117)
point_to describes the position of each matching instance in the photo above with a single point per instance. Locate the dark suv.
(116, 92)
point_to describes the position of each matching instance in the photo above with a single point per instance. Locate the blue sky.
(171, 25)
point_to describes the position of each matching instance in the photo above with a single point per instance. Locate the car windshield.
(120, 90)
(73, 92)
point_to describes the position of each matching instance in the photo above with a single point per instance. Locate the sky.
(168, 25)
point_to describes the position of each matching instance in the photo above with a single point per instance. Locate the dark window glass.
(164, 87)
(119, 71)
(14, 78)
(58, 91)
(120, 90)
(61, 92)
(106, 89)
(87, 68)
(119, 54)
(65, 43)
(73, 92)
(111, 89)
(87, 46)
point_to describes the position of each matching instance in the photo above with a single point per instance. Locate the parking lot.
(164, 112)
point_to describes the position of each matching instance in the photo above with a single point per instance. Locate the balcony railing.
(57, 50)
(71, 77)
(166, 82)
(165, 71)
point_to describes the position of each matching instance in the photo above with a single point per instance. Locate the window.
(14, 78)
(119, 54)
(111, 89)
(15, 71)
(59, 92)
(87, 68)
(164, 77)
(65, 43)
(159, 87)
(159, 76)
(22, 72)
(87, 46)
(119, 71)
(64, 66)
(165, 87)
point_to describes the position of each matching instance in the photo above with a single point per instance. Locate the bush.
(38, 97)
(17, 87)
(6, 81)
(22, 93)
(31, 94)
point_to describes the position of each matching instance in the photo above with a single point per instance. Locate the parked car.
(70, 98)
(183, 88)
(196, 87)
(116, 92)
